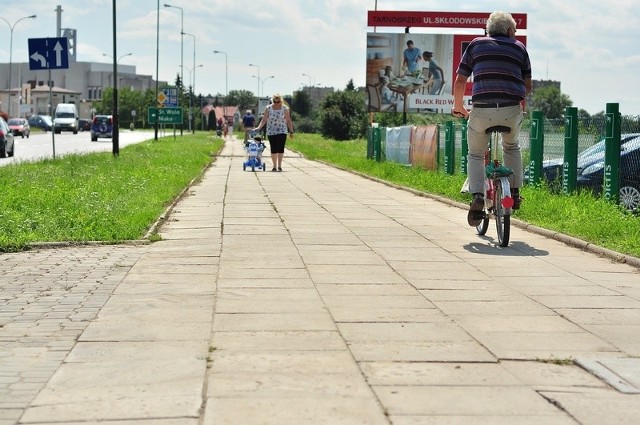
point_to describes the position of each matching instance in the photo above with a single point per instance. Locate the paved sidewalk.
(315, 296)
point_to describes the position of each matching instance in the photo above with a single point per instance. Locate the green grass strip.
(98, 197)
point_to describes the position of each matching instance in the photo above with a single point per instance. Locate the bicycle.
(497, 200)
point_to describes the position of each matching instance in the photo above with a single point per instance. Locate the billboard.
(416, 71)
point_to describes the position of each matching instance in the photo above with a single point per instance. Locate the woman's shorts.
(276, 143)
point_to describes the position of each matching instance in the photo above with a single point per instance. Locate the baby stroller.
(254, 147)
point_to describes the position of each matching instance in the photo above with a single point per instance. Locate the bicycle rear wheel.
(503, 220)
(482, 228)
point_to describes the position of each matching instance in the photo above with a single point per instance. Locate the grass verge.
(579, 215)
(98, 197)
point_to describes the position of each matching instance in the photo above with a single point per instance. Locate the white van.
(66, 118)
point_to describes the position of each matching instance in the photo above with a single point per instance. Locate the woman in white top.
(277, 118)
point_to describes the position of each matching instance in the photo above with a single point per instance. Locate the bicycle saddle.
(498, 128)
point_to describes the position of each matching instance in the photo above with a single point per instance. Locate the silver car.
(6, 139)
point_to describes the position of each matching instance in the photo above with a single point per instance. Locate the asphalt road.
(41, 145)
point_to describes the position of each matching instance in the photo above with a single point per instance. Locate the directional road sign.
(165, 115)
(168, 97)
(48, 53)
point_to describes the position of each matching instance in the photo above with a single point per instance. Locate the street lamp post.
(181, 39)
(307, 75)
(118, 60)
(226, 80)
(11, 27)
(258, 81)
(181, 49)
(192, 86)
(192, 79)
(226, 71)
(263, 80)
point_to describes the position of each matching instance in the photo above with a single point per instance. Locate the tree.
(550, 101)
(244, 99)
(343, 115)
(302, 103)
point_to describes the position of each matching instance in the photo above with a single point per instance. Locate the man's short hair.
(499, 23)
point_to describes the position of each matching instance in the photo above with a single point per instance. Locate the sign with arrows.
(48, 53)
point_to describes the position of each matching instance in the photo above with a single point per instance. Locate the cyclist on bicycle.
(501, 79)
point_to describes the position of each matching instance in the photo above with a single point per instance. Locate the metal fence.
(590, 148)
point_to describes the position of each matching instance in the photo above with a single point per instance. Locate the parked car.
(84, 124)
(20, 127)
(592, 176)
(6, 139)
(552, 168)
(41, 121)
(102, 126)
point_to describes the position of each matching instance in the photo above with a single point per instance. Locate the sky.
(590, 46)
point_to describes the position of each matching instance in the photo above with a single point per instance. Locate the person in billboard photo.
(411, 57)
(385, 92)
(501, 79)
(436, 74)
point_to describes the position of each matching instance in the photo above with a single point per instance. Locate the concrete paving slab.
(278, 340)
(406, 332)
(464, 400)
(544, 345)
(438, 374)
(381, 314)
(603, 316)
(623, 374)
(411, 351)
(475, 324)
(597, 406)
(283, 321)
(588, 301)
(345, 273)
(623, 337)
(493, 308)
(294, 410)
(377, 301)
(273, 362)
(337, 290)
(281, 282)
(481, 420)
(545, 375)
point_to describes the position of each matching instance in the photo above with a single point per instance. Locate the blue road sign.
(171, 94)
(48, 53)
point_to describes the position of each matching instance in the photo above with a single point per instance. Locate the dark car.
(20, 127)
(552, 168)
(84, 124)
(592, 176)
(102, 126)
(43, 122)
(6, 139)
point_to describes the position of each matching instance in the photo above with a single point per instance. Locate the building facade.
(82, 84)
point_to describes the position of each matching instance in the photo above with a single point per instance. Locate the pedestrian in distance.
(277, 119)
(501, 80)
(248, 122)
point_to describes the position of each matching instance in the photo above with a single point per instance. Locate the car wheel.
(10, 153)
(3, 153)
(94, 139)
(630, 197)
